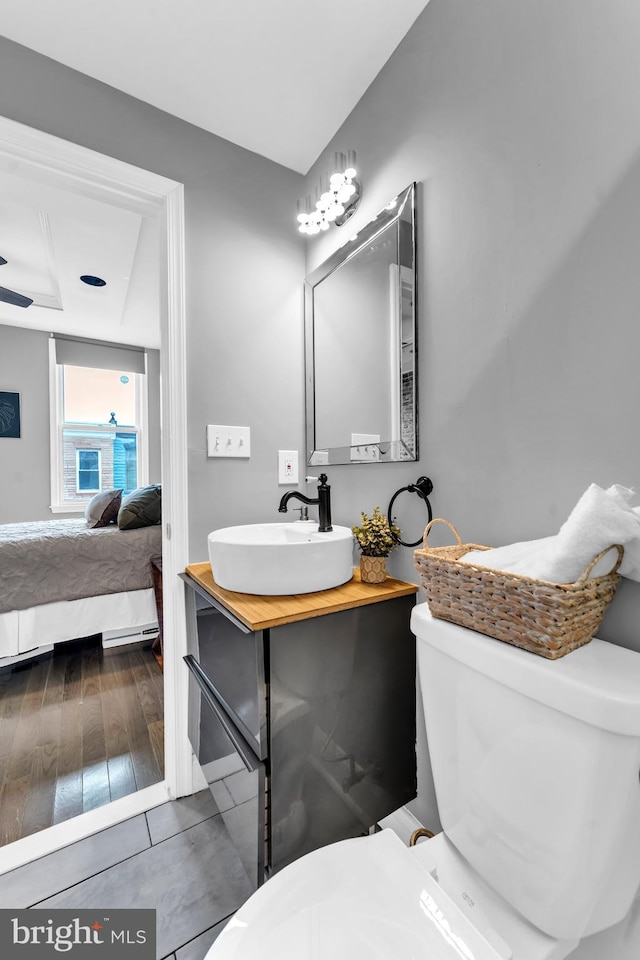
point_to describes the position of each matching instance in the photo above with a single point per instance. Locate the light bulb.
(336, 180)
(344, 193)
(303, 217)
(350, 173)
(324, 225)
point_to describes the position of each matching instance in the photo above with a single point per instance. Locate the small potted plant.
(376, 539)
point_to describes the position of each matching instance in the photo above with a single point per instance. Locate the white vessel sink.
(280, 558)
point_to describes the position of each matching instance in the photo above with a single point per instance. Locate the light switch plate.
(228, 442)
(365, 447)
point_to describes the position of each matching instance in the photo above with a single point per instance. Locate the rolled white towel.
(630, 566)
(518, 557)
(599, 519)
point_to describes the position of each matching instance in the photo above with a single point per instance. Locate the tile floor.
(176, 858)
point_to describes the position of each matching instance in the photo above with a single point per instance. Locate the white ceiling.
(277, 77)
(51, 237)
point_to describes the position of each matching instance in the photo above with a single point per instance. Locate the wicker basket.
(550, 619)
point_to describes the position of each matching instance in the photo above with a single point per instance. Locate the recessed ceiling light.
(93, 281)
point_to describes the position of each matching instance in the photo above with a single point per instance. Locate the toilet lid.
(362, 899)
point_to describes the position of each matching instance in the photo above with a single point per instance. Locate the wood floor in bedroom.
(78, 728)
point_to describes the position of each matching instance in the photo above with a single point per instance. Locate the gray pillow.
(103, 508)
(141, 508)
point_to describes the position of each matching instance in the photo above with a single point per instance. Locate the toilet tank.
(536, 769)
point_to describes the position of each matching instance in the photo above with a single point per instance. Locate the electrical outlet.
(228, 442)
(287, 466)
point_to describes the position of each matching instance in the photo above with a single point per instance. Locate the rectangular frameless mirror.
(360, 344)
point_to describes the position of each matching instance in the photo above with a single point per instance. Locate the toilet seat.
(361, 899)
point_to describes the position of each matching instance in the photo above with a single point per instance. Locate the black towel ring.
(423, 487)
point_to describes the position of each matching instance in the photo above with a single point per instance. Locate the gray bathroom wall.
(516, 121)
(519, 122)
(244, 271)
(25, 478)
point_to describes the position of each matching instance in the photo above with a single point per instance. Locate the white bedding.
(49, 623)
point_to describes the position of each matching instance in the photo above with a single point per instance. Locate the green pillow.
(141, 508)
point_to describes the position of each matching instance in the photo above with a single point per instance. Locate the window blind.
(100, 355)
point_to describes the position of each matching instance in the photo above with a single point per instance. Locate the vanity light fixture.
(335, 200)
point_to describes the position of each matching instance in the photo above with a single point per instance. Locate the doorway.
(45, 158)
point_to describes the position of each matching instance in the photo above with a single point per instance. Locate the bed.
(61, 579)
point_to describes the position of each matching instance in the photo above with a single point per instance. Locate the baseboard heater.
(117, 638)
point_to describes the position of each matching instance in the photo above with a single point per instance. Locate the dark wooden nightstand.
(158, 643)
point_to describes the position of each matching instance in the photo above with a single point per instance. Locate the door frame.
(49, 159)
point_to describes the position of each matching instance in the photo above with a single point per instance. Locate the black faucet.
(323, 500)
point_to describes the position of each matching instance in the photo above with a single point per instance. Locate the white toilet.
(536, 766)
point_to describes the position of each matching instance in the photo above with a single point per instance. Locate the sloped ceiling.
(278, 78)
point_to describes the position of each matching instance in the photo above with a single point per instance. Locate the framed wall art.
(9, 414)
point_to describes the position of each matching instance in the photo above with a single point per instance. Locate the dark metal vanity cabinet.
(301, 714)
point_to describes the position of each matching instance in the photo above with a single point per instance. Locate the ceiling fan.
(10, 296)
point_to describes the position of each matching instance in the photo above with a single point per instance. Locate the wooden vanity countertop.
(260, 612)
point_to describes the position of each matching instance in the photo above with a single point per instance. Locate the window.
(98, 421)
(87, 471)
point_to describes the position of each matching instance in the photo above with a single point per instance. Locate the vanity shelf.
(301, 711)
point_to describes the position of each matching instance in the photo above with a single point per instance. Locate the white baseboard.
(199, 779)
(37, 845)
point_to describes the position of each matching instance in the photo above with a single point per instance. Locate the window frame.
(79, 450)
(57, 427)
